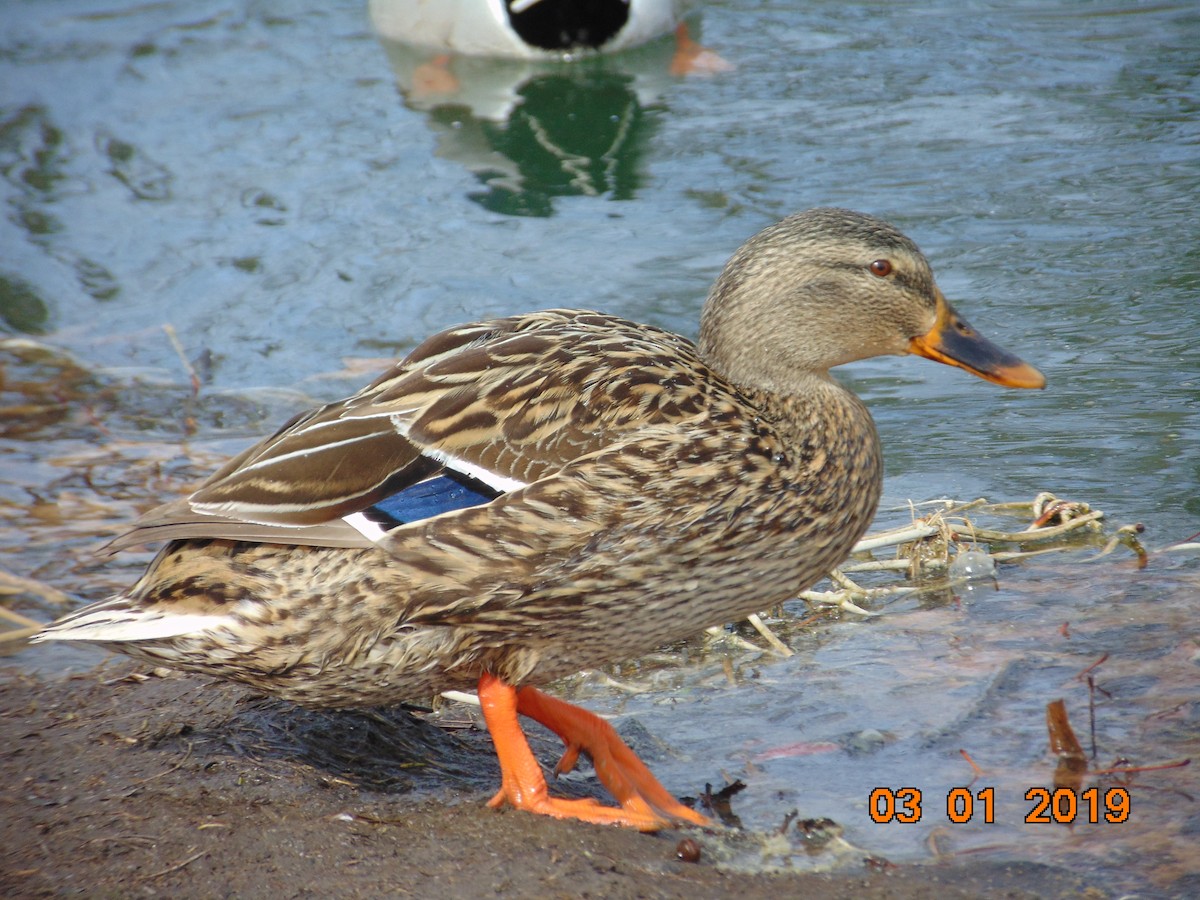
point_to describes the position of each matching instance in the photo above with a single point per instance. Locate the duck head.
(830, 286)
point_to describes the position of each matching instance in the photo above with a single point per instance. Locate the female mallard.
(523, 498)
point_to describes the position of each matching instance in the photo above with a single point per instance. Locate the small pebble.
(688, 850)
(867, 741)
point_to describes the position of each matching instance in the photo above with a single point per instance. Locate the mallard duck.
(523, 29)
(538, 30)
(522, 498)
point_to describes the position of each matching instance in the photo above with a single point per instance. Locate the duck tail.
(119, 620)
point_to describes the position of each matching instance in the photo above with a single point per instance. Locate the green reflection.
(32, 150)
(532, 132)
(568, 135)
(143, 176)
(21, 308)
(39, 222)
(97, 280)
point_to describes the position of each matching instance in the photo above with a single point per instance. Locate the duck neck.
(833, 444)
(817, 408)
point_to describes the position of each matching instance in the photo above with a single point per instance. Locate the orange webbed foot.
(618, 768)
(693, 59)
(645, 804)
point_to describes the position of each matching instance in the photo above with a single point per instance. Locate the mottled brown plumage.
(631, 489)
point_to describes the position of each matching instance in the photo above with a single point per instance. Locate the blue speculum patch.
(442, 493)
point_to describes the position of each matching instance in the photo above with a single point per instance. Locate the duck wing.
(471, 414)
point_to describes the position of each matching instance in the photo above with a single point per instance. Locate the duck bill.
(953, 342)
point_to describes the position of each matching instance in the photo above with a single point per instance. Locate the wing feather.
(507, 402)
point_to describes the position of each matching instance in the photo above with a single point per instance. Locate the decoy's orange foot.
(522, 498)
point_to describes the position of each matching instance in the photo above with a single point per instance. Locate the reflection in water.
(518, 93)
(22, 309)
(568, 136)
(535, 131)
(35, 156)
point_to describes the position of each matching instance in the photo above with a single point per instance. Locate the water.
(250, 175)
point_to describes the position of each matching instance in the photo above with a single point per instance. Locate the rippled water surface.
(265, 179)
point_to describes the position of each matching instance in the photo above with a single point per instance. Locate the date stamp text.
(1060, 806)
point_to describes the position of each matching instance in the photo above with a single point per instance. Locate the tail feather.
(116, 621)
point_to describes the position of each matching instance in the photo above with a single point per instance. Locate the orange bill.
(953, 342)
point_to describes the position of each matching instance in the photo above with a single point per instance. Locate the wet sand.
(119, 785)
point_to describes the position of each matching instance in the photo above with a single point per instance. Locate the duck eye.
(881, 267)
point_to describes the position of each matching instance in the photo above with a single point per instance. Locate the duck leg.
(618, 767)
(645, 803)
(693, 59)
